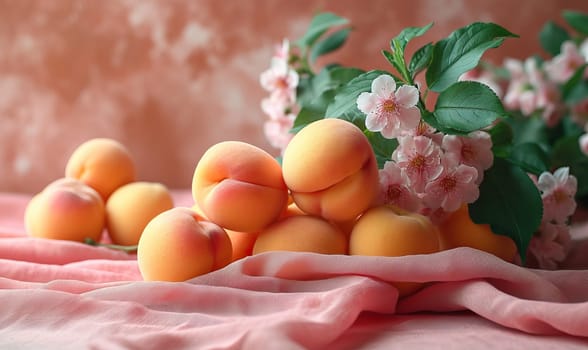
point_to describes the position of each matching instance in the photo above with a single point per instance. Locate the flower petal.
(407, 96)
(375, 122)
(409, 117)
(384, 86)
(366, 102)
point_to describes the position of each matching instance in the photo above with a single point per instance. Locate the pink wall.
(170, 78)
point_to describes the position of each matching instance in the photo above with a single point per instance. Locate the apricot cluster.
(322, 199)
(99, 191)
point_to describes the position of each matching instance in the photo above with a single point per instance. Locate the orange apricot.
(388, 231)
(177, 245)
(239, 186)
(241, 242)
(66, 209)
(302, 233)
(130, 208)
(330, 168)
(103, 164)
(458, 230)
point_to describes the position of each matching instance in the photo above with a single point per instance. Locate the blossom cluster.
(429, 172)
(551, 243)
(281, 81)
(535, 88)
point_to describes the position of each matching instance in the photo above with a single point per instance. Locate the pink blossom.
(529, 91)
(282, 52)
(519, 84)
(527, 101)
(549, 102)
(394, 188)
(474, 150)
(424, 129)
(420, 158)
(389, 110)
(280, 79)
(455, 186)
(584, 143)
(275, 106)
(515, 68)
(277, 131)
(558, 191)
(550, 245)
(563, 66)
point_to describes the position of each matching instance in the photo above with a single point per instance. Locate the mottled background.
(170, 78)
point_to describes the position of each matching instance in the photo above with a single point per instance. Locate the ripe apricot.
(302, 233)
(330, 168)
(103, 164)
(241, 242)
(239, 186)
(178, 245)
(66, 209)
(388, 231)
(130, 208)
(458, 230)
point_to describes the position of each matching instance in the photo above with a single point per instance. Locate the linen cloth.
(67, 295)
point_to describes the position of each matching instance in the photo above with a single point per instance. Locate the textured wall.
(170, 78)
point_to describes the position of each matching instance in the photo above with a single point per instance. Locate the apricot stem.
(124, 248)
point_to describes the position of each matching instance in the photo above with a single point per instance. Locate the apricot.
(177, 245)
(103, 164)
(241, 242)
(130, 208)
(239, 186)
(66, 209)
(331, 170)
(458, 230)
(302, 233)
(388, 231)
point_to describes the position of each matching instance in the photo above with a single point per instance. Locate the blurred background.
(169, 78)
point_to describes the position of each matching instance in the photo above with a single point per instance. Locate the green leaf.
(304, 91)
(329, 44)
(461, 52)
(382, 147)
(552, 36)
(577, 20)
(502, 137)
(467, 106)
(344, 104)
(510, 203)
(332, 78)
(306, 116)
(576, 88)
(398, 45)
(392, 59)
(420, 59)
(530, 157)
(529, 129)
(406, 35)
(342, 75)
(318, 26)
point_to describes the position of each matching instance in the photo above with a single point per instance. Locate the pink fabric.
(64, 295)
